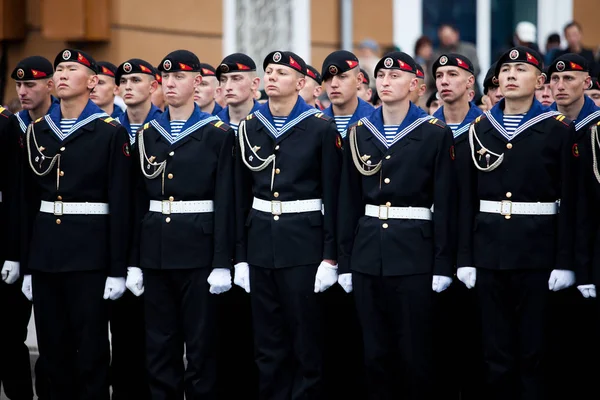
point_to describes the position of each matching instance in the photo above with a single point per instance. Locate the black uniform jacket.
(90, 164)
(417, 171)
(198, 166)
(537, 166)
(9, 189)
(307, 166)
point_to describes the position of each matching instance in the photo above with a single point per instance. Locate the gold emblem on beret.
(167, 65)
(66, 55)
(443, 60)
(127, 67)
(333, 70)
(224, 68)
(20, 73)
(514, 54)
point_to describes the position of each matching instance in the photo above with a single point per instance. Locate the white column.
(408, 23)
(484, 37)
(346, 24)
(229, 43)
(301, 29)
(552, 16)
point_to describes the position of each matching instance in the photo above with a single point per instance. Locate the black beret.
(338, 62)
(397, 60)
(77, 56)
(135, 66)
(207, 70)
(453, 60)
(106, 68)
(568, 62)
(32, 68)
(594, 84)
(490, 80)
(420, 71)
(366, 79)
(236, 62)
(432, 97)
(286, 58)
(520, 54)
(180, 60)
(546, 76)
(314, 74)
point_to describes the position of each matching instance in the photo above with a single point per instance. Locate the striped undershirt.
(511, 122)
(176, 126)
(67, 124)
(454, 127)
(135, 128)
(234, 127)
(342, 123)
(279, 122)
(390, 132)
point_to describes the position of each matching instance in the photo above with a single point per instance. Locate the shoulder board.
(322, 116)
(4, 112)
(221, 125)
(479, 118)
(249, 117)
(147, 125)
(598, 123)
(38, 120)
(438, 122)
(563, 119)
(359, 123)
(110, 121)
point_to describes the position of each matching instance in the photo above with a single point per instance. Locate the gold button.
(58, 222)
(385, 226)
(276, 194)
(507, 216)
(170, 176)
(508, 194)
(62, 149)
(168, 219)
(62, 173)
(388, 204)
(387, 180)
(171, 198)
(277, 171)
(388, 157)
(509, 146)
(172, 153)
(59, 198)
(276, 218)
(277, 147)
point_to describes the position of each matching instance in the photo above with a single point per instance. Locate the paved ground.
(32, 343)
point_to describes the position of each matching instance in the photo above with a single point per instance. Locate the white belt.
(276, 207)
(385, 212)
(507, 207)
(181, 207)
(60, 208)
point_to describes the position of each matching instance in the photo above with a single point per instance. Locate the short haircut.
(553, 38)
(573, 24)
(422, 41)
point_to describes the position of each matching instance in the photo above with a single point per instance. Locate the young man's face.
(72, 79)
(544, 95)
(452, 83)
(495, 95)
(594, 94)
(237, 87)
(568, 86)
(573, 36)
(417, 94)
(105, 91)
(136, 89)
(158, 97)
(33, 93)
(204, 94)
(282, 81)
(343, 88)
(178, 87)
(310, 91)
(394, 85)
(365, 92)
(519, 80)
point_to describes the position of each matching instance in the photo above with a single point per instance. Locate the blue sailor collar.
(473, 113)
(224, 114)
(589, 112)
(300, 112)
(154, 113)
(90, 113)
(536, 113)
(216, 109)
(117, 112)
(374, 123)
(196, 121)
(24, 118)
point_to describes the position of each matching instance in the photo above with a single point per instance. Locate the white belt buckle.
(276, 207)
(506, 208)
(58, 208)
(384, 212)
(166, 207)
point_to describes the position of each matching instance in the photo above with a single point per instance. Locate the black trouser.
(457, 344)
(395, 314)
(236, 347)
(15, 369)
(128, 375)
(72, 329)
(179, 309)
(513, 315)
(287, 332)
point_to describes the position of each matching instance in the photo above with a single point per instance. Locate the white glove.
(26, 287)
(114, 288)
(326, 277)
(440, 283)
(587, 291)
(10, 271)
(345, 281)
(467, 275)
(242, 276)
(561, 279)
(135, 281)
(219, 280)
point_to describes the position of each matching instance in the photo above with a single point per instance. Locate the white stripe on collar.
(500, 128)
(586, 120)
(399, 135)
(461, 130)
(182, 134)
(78, 125)
(288, 125)
(21, 123)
